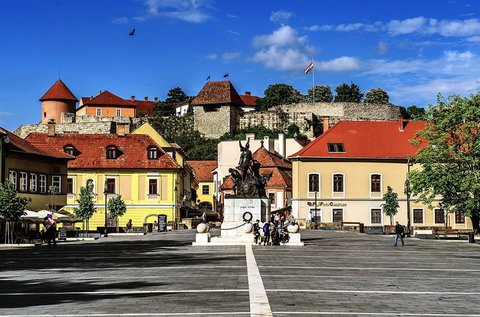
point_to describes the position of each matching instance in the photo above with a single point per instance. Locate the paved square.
(336, 273)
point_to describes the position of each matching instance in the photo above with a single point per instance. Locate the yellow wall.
(109, 111)
(207, 198)
(357, 200)
(133, 186)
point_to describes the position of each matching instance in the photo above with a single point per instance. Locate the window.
(112, 152)
(271, 198)
(57, 184)
(337, 215)
(417, 215)
(316, 214)
(23, 181)
(153, 186)
(338, 183)
(335, 147)
(98, 112)
(42, 184)
(205, 190)
(69, 185)
(313, 183)
(376, 216)
(90, 184)
(152, 153)
(70, 149)
(375, 183)
(118, 112)
(459, 217)
(33, 183)
(12, 176)
(110, 186)
(439, 215)
(44, 114)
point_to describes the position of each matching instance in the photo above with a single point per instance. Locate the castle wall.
(215, 121)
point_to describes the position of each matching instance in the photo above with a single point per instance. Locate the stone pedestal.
(295, 239)
(234, 208)
(202, 238)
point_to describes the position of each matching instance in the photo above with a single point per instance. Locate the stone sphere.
(248, 228)
(202, 228)
(293, 228)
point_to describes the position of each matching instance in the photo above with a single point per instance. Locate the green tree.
(322, 94)
(279, 94)
(449, 156)
(116, 208)
(416, 113)
(390, 207)
(161, 109)
(175, 96)
(12, 207)
(377, 96)
(86, 207)
(348, 93)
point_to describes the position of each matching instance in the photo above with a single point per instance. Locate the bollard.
(471, 237)
(362, 228)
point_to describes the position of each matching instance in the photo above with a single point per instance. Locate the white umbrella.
(44, 213)
(28, 214)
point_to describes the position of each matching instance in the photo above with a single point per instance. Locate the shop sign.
(326, 204)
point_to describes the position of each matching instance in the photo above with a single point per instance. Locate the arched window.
(338, 183)
(70, 149)
(313, 183)
(152, 153)
(112, 152)
(90, 183)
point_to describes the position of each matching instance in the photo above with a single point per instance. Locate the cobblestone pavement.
(335, 274)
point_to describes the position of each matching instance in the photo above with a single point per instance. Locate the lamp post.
(105, 192)
(175, 190)
(408, 192)
(316, 223)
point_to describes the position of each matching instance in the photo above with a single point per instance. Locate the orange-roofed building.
(202, 171)
(278, 173)
(57, 100)
(133, 166)
(249, 101)
(106, 104)
(343, 174)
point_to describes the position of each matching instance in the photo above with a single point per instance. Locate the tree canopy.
(390, 207)
(175, 96)
(416, 113)
(377, 96)
(86, 207)
(322, 94)
(348, 93)
(449, 157)
(12, 207)
(116, 206)
(279, 94)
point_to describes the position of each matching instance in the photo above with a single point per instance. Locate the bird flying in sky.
(132, 33)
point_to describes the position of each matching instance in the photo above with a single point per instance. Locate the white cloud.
(211, 56)
(280, 16)
(454, 56)
(284, 36)
(382, 48)
(229, 56)
(286, 59)
(381, 66)
(340, 64)
(415, 25)
(122, 20)
(192, 11)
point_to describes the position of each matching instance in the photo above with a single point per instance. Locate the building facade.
(343, 175)
(202, 171)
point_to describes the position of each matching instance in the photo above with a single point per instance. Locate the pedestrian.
(204, 217)
(266, 232)
(50, 227)
(256, 232)
(398, 234)
(129, 226)
(308, 221)
(155, 226)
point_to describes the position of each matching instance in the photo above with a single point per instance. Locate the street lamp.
(408, 192)
(105, 192)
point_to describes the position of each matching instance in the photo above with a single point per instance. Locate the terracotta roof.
(364, 139)
(92, 150)
(106, 98)
(249, 100)
(202, 170)
(278, 178)
(270, 159)
(20, 145)
(218, 92)
(145, 107)
(59, 91)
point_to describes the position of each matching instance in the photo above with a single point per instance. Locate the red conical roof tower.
(59, 91)
(57, 100)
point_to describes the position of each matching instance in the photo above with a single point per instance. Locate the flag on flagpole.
(308, 68)
(208, 78)
(226, 75)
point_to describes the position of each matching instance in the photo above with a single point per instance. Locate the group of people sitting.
(272, 232)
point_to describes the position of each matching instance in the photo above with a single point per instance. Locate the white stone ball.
(248, 228)
(293, 228)
(202, 228)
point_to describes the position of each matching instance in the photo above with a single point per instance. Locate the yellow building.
(202, 171)
(33, 169)
(133, 166)
(343, 174)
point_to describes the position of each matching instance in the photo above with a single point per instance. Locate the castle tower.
(57, 100)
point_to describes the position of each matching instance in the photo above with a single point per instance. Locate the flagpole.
(313, 82)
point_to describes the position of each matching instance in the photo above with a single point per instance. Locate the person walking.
(129, 226)
(256, 232)
(398, 234)
(266, 232)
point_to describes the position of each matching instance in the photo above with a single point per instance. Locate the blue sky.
(412, 49)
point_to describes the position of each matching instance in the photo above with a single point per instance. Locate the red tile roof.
(270, 159)
(145, 107)
(278, 178)
(106, 98)
(59, 91)
(92, 150)
(20, 145)
(202, 170)
(364, 139)
(217, 92)
(249, 100)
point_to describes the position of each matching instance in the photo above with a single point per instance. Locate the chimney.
(99, 92)
(91, 97)
(132, 98)
(248, 93)
(155, 99)
(122, 129)
(281, 144)
(326, 123)
(145, 98)
(401, 124)
(51, 128)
